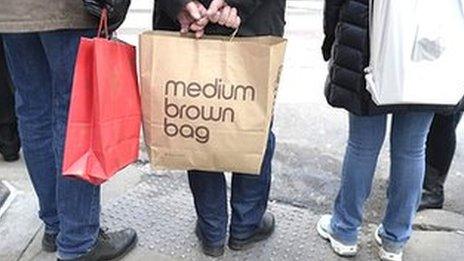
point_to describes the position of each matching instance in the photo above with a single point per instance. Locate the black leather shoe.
(49, 242)
(264, 231)
(432, 200)
(209, 250)
(111, 246)
(10, 151)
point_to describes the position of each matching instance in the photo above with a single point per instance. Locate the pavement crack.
(29, 243)
(434, 228)
(289, 203)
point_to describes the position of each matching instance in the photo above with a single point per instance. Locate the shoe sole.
(377, 238)
(429, 207)
(11, 158)
(326, 236)
(213, 254)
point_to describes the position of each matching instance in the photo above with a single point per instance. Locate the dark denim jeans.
(407, 152)
(249, 199)
(41, 66)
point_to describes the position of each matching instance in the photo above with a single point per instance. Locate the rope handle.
(103, 27)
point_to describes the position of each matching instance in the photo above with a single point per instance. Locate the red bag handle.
(103, 27)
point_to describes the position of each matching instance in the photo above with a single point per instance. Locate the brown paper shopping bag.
(207, 104)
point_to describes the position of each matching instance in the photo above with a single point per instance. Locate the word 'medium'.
(217, 90)
(192, 112)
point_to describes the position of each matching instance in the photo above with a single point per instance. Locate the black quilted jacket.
(346, 45)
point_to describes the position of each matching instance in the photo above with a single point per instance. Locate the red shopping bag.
(105, 116)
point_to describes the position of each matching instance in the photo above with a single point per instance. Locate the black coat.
(259, 17)
(346, 45)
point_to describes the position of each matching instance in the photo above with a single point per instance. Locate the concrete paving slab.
(441, 220)
(435, 246)
(19, 223)
(121, 182)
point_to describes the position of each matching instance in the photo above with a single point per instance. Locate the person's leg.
(210, 198)
(31, 76)
(78, 202)
(9, 140)
(441, 146)
(366, 136)
(250, 194)
(408, 137)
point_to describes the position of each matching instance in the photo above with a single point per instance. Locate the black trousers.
(9, 141)
(441, 146)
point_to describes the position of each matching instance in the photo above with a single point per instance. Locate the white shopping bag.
(417, 49)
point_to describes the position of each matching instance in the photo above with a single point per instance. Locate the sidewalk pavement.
(306, 174)
(159, 206)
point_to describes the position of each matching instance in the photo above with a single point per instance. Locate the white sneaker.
(383, 253)
(323, 229)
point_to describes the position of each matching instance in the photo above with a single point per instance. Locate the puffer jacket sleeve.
(331, 19)
(172, 7)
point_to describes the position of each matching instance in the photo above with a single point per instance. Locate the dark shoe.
(209, 250)
(433, 196)
(432, 200)
(49, 242)
(10, 157)
(111, 246)
(9, 153)
(264, 231)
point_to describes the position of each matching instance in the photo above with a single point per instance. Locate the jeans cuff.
(347, 238)
(65, 254)
(51, 230)
(242, 235)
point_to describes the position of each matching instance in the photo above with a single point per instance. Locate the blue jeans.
(249, 198)
(41, 66)
(366, 137)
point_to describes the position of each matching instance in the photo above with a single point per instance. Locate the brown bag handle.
(103, 27)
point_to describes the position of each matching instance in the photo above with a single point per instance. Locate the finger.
(184, 28)
(193, 10)
(185, 21)
(202, 9)
(199, 34)
(224, 15)
(231, 20)
(202, 22)
(238, 22)
(215, 18)
(196, 27)
(215, 6)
